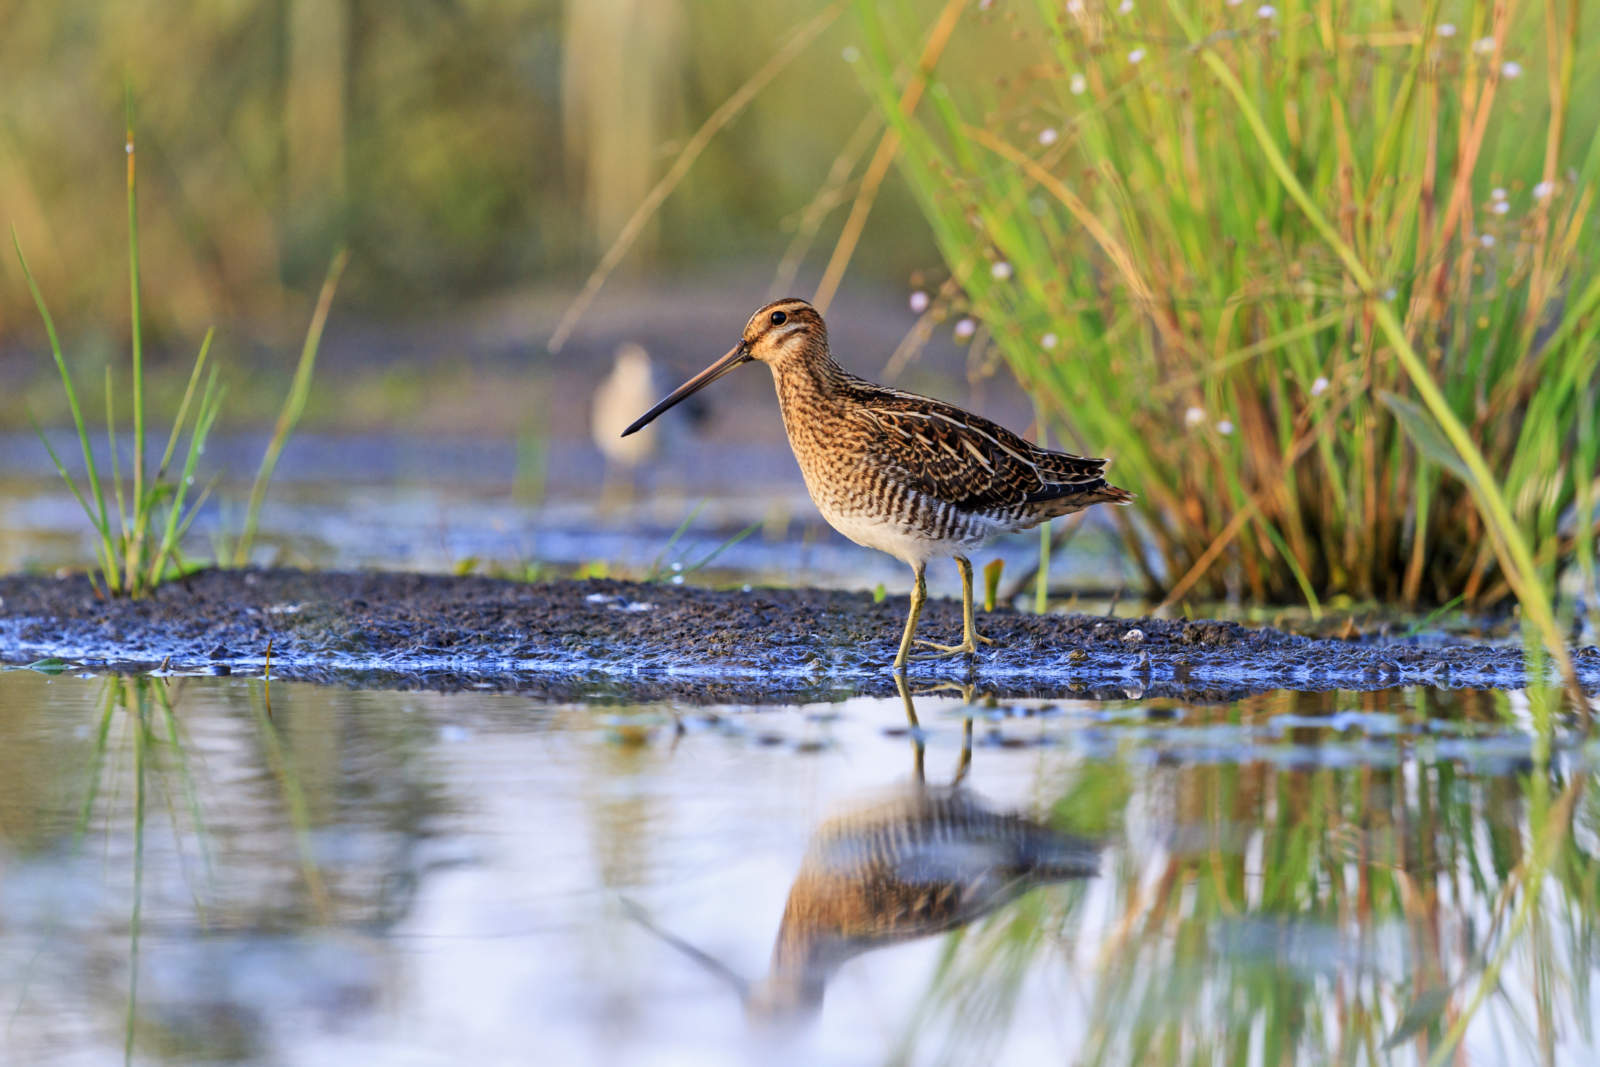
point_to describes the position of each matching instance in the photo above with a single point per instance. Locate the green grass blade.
(134, 322)
(210, 404)
(116, 463)
(183, 405)
(96, 492)
(654, 574)
(293, 406)
(720, 549)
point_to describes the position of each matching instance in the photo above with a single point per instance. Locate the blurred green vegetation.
(457, 149)
(1289, 265)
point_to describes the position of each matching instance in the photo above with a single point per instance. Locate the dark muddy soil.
(596, 638)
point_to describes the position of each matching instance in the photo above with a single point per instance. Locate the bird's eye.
(779, 318)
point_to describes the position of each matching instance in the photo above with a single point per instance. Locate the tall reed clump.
(140, 516)
(1319, 275)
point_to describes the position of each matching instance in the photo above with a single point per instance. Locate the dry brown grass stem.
(831, 194)
(888, 148)
(724, 114)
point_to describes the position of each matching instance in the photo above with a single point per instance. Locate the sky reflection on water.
(394, 877)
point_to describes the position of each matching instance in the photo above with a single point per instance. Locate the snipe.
(905, 474)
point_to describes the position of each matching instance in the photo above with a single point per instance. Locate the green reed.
(1319, 277)
(140, 519)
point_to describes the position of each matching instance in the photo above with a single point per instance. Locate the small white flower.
(1136, 55)
(1511, 69)
(1266, 11)
(1048, 341)
(919, 301)
(1499, 207)
(1194, 416)
(850, 54)
(1075, 8)
(1078, 84)
(1445, 29)
(1543, 190)
(1048, 135)
(1125, 7)
(1000, 271)
(1486, 240)
(965, 328)
(1497, 193)
(984, 5)
(1319, 386)
(1224, 427)
(1483, 46)
(1235, 3)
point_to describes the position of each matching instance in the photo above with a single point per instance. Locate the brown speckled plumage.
(906, 474)
(922, 861)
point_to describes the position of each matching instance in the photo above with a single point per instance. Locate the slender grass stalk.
(707, 559)
(97, 513)
(1041, 585)
(883, 156)
(724, 114)
(1552, 832)
(294, 406)
(655, 572)
(135, 542)
(136, 708)
(294, 798)
(177, 521)
(830, 194)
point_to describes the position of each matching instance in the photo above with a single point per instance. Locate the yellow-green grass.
(1319, 276)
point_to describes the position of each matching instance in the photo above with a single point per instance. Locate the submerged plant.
(1299, 269)
(138, 530)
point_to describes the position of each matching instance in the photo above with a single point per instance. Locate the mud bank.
(643, 642)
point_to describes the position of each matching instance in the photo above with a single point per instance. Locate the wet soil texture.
(588, 639)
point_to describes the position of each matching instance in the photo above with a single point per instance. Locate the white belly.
(901, 540)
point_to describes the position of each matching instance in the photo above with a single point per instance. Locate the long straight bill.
(738, 354)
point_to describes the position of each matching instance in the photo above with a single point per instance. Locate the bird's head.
(783, 330)
(778, 333)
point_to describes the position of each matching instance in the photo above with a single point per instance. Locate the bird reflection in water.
(916, 860)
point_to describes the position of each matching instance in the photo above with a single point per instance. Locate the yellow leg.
(917, 773)
(966, 752)
(919, 593)
(969, 631)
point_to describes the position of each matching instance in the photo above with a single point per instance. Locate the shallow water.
(350, 876)
(442, 505)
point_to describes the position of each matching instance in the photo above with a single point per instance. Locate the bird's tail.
(1058, 500)
(1072, 484)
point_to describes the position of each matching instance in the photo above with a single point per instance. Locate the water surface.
(190, 872)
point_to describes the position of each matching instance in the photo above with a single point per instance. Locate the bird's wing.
(954, 455)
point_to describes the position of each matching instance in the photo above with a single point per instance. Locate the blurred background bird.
(632, 385)
(628, 389)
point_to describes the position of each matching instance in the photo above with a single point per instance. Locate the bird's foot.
(965, 648)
